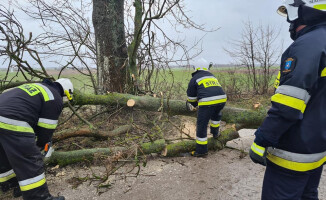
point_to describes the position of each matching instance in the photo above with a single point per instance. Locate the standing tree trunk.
(133, 47)
(111, 49)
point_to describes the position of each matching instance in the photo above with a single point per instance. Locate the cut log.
(131, 103)
(88, 132)
(247, 118)
(158, 146)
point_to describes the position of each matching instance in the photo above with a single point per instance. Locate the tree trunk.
(111, 49)
(242, 117)
(88, 132)
(134, 45)
(158, 146)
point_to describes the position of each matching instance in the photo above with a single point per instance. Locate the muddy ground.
(222, 175)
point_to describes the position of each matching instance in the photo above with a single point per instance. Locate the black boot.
(5, 187)
(195, 154)
(215, 132)
(17, 193)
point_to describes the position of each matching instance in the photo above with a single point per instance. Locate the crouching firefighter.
(293, 135)
(28, 117)
(205, 92)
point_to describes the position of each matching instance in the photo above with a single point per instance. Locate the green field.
(173, 83)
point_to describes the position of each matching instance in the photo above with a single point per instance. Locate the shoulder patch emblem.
(289, 64)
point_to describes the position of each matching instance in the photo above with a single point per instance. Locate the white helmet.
(67, 86)
(290, 8)
(200, 64)
(200, 68)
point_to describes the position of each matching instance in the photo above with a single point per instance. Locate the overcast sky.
(229, 15)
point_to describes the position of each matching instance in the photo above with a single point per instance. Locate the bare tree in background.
(258, 50)
(150, 47)
(15, 47)
(124, 64)
(66, 39)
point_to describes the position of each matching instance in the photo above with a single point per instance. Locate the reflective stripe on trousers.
(296, 161)
(201, 141)
(7, 176)
(215, 124)
(32, 183)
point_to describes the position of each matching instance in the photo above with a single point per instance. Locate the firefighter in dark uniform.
(205, 91)
(28, 117)
(293, 135)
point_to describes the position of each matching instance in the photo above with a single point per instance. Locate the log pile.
(241, 118)
(158, 146)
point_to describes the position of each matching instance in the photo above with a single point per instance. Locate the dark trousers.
(20, 159)
(206, 113)
(284, 184)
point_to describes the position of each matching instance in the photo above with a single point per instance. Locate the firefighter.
(28, 117)
(291, 140)
(205, 91)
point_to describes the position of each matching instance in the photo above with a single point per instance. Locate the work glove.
(190, 107)
(48, 150)
(258, 154)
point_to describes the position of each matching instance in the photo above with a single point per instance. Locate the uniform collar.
(55, 85)
(308, 29)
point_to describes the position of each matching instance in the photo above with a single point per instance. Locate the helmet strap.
(68, 95)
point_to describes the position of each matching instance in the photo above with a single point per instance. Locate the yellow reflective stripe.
(323, 73)
(320, 7)
(190, 100)
(16, 128)
(44, 93)
(48, 126)
(201, 68)
(206, 103)
(33, 185)
(201, 142)
(289, 101)
(295, 166)
(277, 80)
(215, 125)
(7, 176)
(258, 149)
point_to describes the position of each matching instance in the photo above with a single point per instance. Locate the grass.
(173, 84)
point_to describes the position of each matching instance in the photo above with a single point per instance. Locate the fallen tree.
(89, 132)
(158, 146)
(244, 118)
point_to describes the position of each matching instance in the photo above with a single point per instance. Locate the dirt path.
(222, 175)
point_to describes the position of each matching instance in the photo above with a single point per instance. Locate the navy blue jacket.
(32, 109)
(204, 89)
(296, 121)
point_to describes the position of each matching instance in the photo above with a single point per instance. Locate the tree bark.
(242, 117)
(158, 146)
(134, 46)
(88, 132)
(111, 49)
